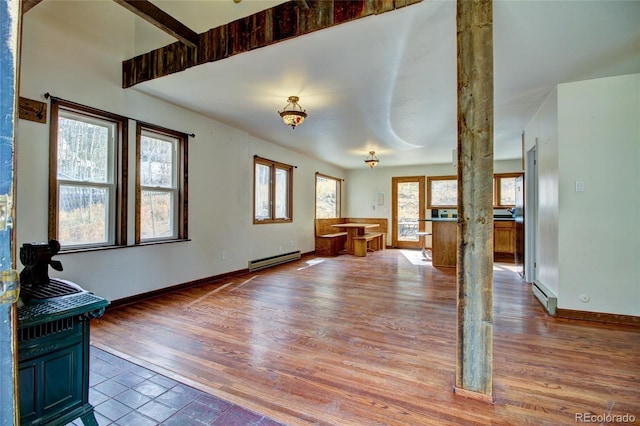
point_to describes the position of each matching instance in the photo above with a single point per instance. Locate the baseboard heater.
(265, 262)
(545, 296)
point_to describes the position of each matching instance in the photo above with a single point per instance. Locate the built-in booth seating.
(330, 241)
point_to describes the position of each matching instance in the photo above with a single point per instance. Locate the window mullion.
(272, 198)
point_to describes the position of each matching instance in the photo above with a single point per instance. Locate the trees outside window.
(86, 202)
(160, 184)
(328, 196)
(505, 189)
(273, 191)
(88, 179)
(442, 191)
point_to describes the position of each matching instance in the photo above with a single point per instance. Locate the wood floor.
(371, 341)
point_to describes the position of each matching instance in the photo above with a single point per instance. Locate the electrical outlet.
(224, 254)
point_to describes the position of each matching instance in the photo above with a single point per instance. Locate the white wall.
(599, 134)
(83, 64)
(589, 242)
(543, 128)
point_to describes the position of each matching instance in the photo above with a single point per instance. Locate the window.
(161, 184)
(87, 202)
(328, 196)
(505, 189)
(273, 188)
(442, 192)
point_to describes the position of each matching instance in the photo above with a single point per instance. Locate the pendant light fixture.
(372, 160)
(293, 115)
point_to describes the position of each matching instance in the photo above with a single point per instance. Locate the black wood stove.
(53, 342)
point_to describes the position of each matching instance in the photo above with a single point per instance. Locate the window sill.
(150, 243)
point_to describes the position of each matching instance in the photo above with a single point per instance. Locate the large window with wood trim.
(161, 184)
(328, 196)
(273, 191)
(442, 191)
(504, 189)
(87, 194)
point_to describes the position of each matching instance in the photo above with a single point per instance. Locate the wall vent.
(265, 262)
(545, 296)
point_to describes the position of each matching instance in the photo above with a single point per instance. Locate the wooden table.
(353, 230)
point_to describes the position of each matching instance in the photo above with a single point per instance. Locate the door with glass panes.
(408, 198)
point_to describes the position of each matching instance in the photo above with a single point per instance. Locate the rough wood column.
(475, 199)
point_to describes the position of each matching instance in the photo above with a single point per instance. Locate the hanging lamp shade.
(372, 160)
(293, 115)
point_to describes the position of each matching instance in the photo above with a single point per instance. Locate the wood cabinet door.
(503, 237)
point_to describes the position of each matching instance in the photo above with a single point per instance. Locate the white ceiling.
(388, 83)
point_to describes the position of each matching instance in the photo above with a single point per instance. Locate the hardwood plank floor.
(371, 341)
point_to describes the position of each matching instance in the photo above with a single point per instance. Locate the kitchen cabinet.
(504, 240)
(444, 242)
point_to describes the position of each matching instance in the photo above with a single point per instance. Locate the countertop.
(455, 219)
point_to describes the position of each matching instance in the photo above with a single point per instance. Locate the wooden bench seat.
(330, 244)
(371, 241)
(335, 234)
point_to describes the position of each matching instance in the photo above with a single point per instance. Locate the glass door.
(408, 208)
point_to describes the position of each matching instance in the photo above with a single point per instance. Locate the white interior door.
(531, 215)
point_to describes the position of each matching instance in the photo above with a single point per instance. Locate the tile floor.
(124, 393)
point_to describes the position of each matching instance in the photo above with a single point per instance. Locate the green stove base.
(53, 359)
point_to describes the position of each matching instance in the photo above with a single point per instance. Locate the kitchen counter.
(445, 240)
(455, 219)
(445, 245)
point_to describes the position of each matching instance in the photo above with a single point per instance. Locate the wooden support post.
(474, 22)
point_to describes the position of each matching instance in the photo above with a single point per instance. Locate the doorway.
(408, 197)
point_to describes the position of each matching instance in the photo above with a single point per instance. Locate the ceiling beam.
(282, 22)
(303, 4)
(27, 5)
(156, 16)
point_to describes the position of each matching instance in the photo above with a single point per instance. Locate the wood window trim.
(120, 167)
(497, 196)
(182, 181)
(273, 165)
(339, 207)
(496, 189)
(438, 178)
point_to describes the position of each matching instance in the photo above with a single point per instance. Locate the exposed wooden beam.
(167, 23)
(474, 366)
(303, 4)
(27, 5)
(284, 21)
